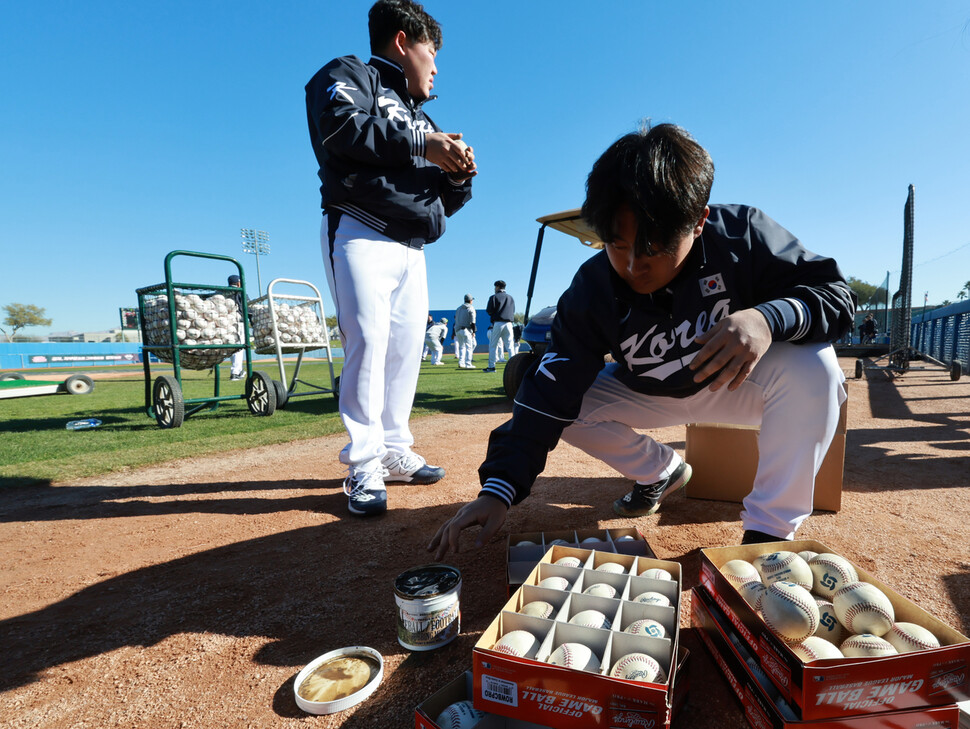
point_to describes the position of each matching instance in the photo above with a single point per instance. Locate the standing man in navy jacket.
(712, 313)
(501, 310)
(389, 179)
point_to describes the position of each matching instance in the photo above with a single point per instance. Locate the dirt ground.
(191, 593)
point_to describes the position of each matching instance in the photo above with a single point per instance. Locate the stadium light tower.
(255, 241)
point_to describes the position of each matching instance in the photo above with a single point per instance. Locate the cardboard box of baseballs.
(762, 703)
(451, 708)
(710, 445)
(589, 640)
(526, 549)
(879, 679)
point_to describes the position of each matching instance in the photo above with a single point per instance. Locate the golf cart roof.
(571, 223)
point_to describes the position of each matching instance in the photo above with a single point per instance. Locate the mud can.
(428, 612)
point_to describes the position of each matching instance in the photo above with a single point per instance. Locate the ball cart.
(196, 326)
(290, 323)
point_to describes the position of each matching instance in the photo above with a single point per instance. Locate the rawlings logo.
(631, 719)
(949, 680)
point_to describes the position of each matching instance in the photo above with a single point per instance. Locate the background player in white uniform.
(390, 177)
(712, 313)
(465, 328)
(434, 338)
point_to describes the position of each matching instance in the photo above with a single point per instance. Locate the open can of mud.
(428, 609)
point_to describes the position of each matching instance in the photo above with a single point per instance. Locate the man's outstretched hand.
(486, 511)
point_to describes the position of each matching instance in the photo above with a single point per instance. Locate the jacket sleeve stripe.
(500, 489)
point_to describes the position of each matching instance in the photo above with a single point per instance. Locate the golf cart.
(538, 330)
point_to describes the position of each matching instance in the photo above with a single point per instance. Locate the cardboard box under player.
(724, 459)
(761, 701)
(531, 689)
(845, 686)
(522, 558)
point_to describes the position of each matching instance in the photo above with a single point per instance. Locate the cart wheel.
(336, 388)
(260, 394)
(281, 394)
(956, 369)
(858, 369)
(11, 376)
(78, 385)
(168, 404)
(515, 370)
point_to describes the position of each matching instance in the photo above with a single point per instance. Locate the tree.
(868, 294)
(20, 316)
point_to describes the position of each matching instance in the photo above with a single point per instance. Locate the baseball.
(568, 562)
(516, 643)
(638, 667)
(460, 715)
(652, 598)
(866, 645)
(829, 626)
(807, 555)
(814, 648)
(910, 637)
(591, 619)
(647, 627)
(863, 608)
(600, 589)
(784, 567)
(591, 540)
(738, 572)
(753, 593)
(624, 538)
(555, 583)
(612, 567)
(537, 608)
(831, 573)
(657, 573)
(575, 655)
(789, 611)
(560, 542)
(526, 543)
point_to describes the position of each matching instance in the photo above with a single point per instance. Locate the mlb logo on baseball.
(712, 285)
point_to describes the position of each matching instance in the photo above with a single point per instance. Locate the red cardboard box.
(763, 705)
(460, 689)
(522, 557)
(845, 686)
(531, 689)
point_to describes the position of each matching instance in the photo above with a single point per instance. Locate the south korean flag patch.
(712, 285)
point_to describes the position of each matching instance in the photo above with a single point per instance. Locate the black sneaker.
(488, 369)
(645, 499)
(368, 496)
(753, 536)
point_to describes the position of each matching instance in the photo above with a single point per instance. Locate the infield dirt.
(191, 593)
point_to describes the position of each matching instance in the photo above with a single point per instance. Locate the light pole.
(255, 241)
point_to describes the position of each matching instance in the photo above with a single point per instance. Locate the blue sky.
(131, 129)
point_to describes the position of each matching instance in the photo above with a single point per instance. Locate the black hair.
(665, 178)
(387, 17)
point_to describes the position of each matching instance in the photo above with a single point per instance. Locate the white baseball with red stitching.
(863, 608)
(515, 643)
(789, 611)
(831, 573)
(638, 667)
(814, 648)
(738, 572)
(460, 715)
(784, 567)
(866, 645)
(576, 656)
(910, 637)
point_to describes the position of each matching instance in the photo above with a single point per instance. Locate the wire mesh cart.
(196, 326)
(292, 323)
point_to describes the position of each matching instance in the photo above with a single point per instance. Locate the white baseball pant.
(794, 393)
(380, 291)
(501, 335)
(465, 341)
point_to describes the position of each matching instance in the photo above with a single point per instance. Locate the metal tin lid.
(341, 701)
(427, 580)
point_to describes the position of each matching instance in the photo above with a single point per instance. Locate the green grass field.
(35, 446)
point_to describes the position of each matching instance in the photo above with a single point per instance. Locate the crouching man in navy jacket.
(712, 313)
